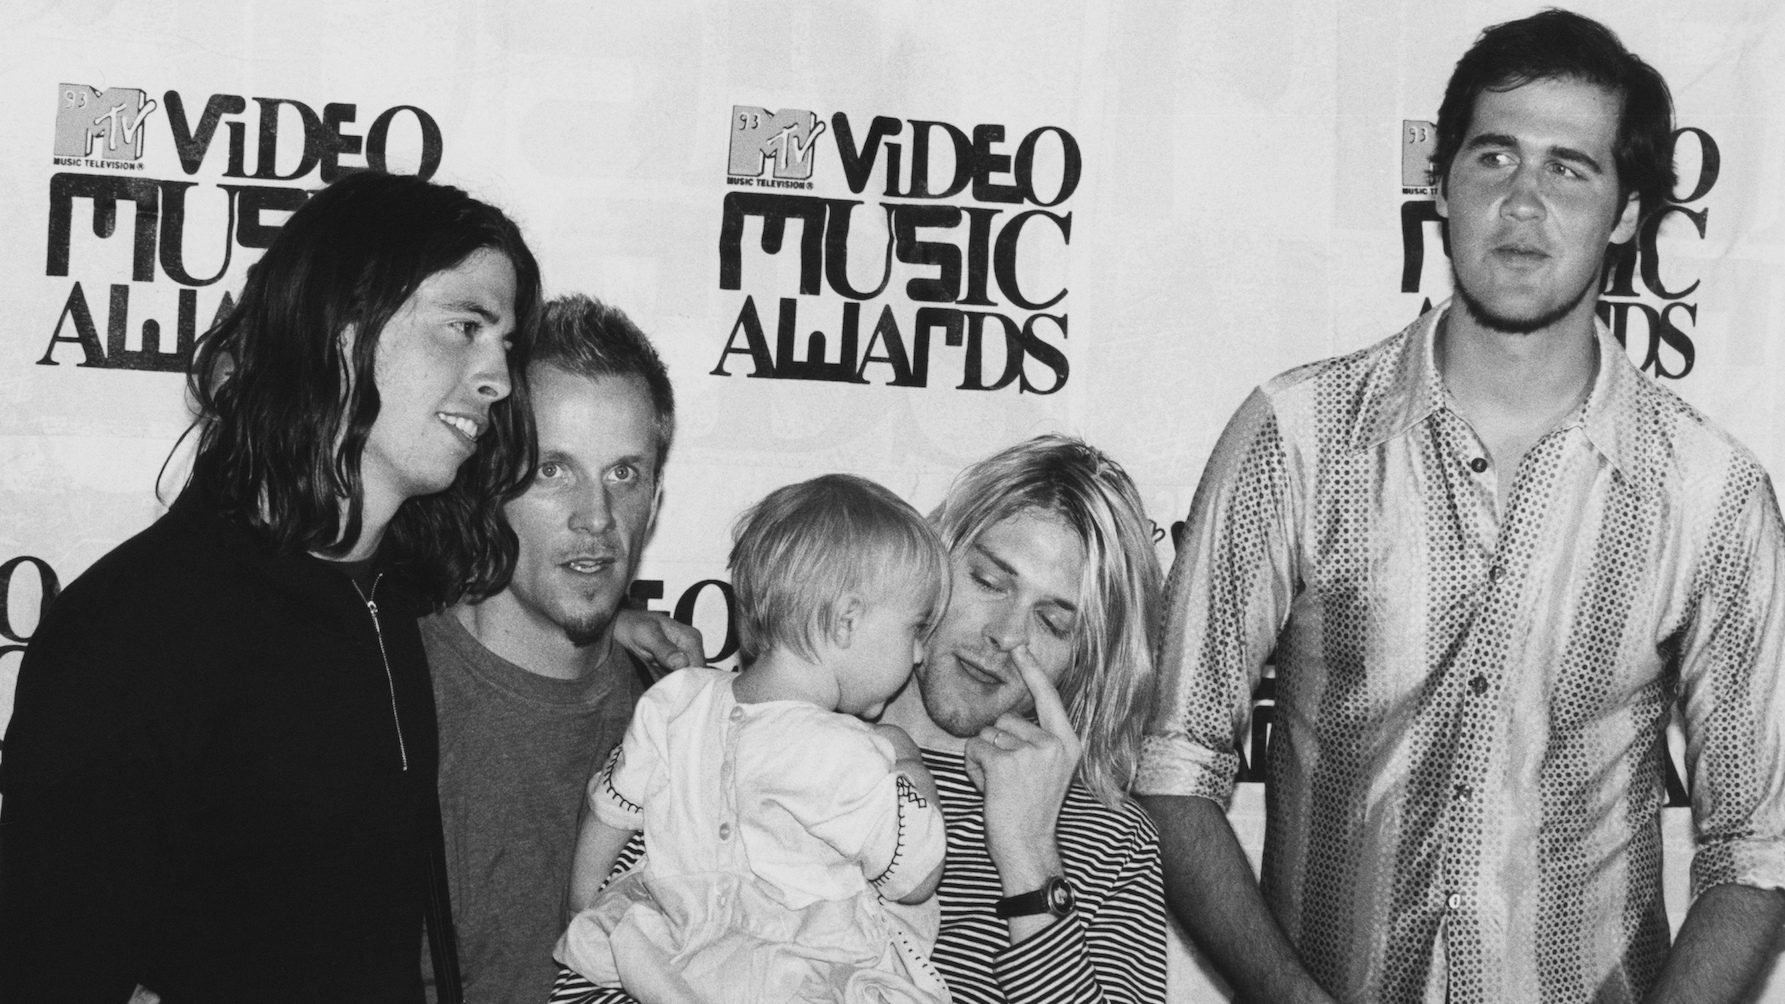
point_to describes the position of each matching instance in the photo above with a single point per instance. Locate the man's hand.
(1024, 769)
(662, 642)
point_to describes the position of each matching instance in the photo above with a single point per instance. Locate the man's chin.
(1510, 321)
(955, 717)
(588, 627)
(582, 635)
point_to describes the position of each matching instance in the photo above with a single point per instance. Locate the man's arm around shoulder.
(1210, 888)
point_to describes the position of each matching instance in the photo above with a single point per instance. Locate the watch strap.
(1054, 897)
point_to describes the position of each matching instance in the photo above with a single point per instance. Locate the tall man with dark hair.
(532, 689)
(1488, 559)
(219, 776)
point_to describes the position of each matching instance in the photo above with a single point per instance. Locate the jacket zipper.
(402, 750)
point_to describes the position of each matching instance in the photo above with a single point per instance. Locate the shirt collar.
(1415, 392)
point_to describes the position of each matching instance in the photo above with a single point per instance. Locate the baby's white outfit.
(772, 833)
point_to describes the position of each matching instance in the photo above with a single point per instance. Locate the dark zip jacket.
(218, 781)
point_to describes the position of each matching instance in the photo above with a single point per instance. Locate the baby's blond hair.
(805, 546)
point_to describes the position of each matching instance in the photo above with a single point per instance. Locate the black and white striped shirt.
(1110, 948)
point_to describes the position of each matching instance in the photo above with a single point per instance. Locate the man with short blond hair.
(533, 689)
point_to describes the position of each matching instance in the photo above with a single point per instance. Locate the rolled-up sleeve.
(1229, 593)
(1732, 694)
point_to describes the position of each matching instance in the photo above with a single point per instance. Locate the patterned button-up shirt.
(1466, 773)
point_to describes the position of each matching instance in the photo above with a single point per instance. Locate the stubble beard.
(943, 715)
(1484, 315)
(956, 720)
(588, 630)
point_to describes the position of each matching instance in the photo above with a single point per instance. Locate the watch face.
(1059, 897)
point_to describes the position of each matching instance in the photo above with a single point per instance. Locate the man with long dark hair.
(219, 775)
(1489, 559)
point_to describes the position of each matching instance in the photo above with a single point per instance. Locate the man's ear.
(1441, 200)
(846, 618)
(222, 368)
(651, 523)
(1628, 219)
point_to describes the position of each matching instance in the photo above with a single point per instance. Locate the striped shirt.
(1110, 948)
(1467, 770)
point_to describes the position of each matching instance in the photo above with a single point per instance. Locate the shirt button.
(1478, 684)
(737, 714)
(1494, 572)
(1478, 465)
(1455, 902)
(724, 831)
(1462, 791)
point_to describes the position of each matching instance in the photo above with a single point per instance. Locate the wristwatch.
(1054, 897)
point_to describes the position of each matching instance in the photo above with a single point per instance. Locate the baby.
(792, 851)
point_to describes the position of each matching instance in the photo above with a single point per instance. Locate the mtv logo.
(111, 119)
(784, 138)
(1419, 140)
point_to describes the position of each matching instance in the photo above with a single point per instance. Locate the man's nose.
(592, 513)
(1524, 197)
(1006, 629)
(490, 372)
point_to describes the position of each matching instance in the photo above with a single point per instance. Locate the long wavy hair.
(284, 401)
(1111, 670)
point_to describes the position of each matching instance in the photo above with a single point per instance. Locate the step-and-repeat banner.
(885, 239)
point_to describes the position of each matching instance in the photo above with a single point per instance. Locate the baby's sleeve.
(618, 791)
(917, 847)
(855, 801)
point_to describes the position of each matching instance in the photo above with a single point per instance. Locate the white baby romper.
(772, 833)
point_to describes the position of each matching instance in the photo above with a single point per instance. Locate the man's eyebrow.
(1480, 140)
(993, 558)
(471, 307)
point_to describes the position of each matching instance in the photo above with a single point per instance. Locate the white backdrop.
(1162, 203)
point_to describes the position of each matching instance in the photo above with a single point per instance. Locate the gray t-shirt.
(516, 750)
